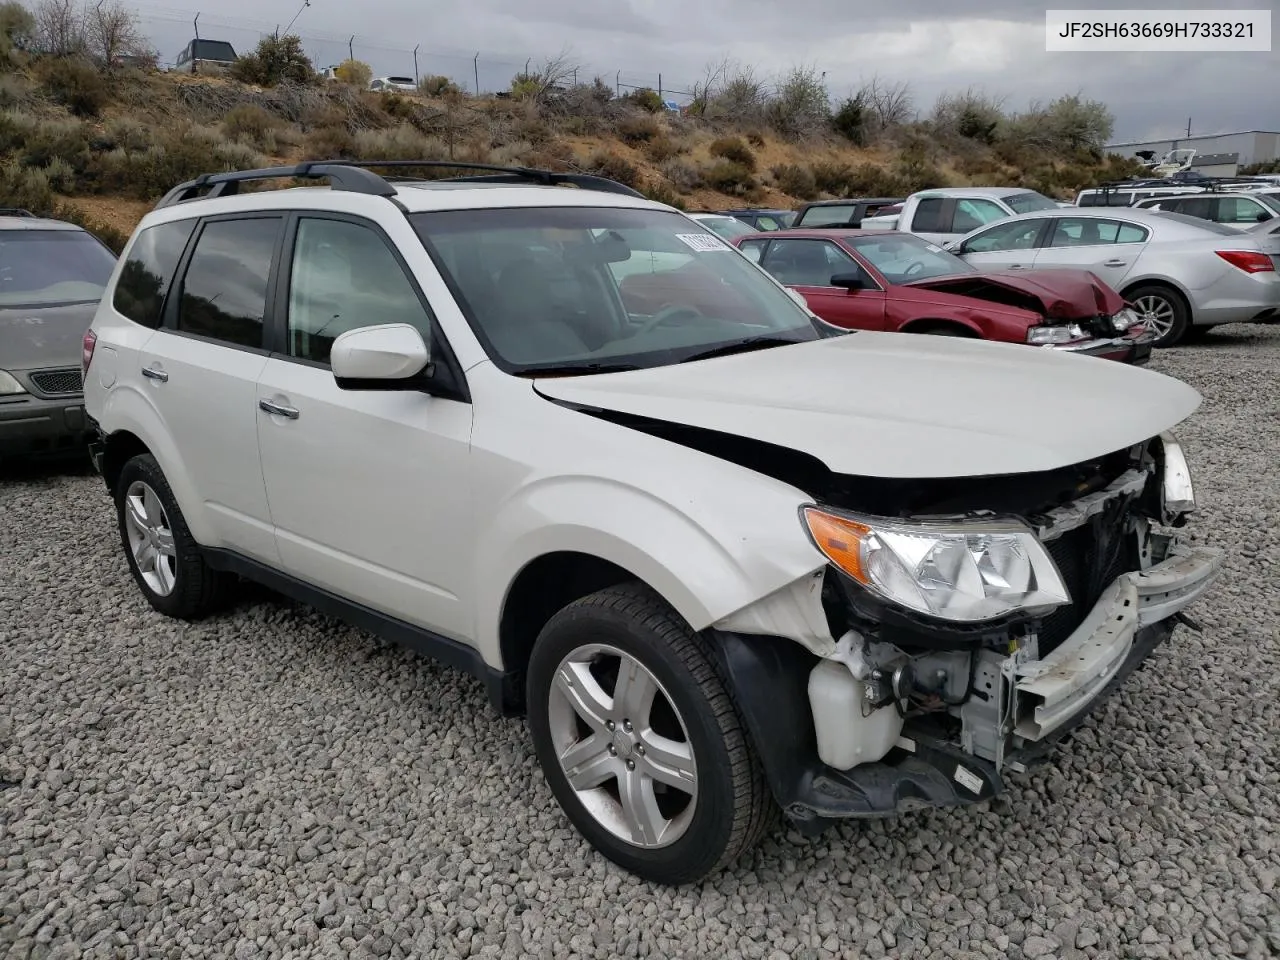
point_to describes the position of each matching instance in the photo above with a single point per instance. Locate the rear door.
(201, 370)
(1109, 248)
(808, 264)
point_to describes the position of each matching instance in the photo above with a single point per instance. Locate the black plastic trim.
(501, 686)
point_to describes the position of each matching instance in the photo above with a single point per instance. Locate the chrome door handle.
(155, 374)
(278, 409)
(1115, 263)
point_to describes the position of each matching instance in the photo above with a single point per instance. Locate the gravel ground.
(270, 783)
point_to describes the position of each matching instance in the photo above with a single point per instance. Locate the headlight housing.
(1051, 335)
(9, 385)
(963, 571)
(1125, 319)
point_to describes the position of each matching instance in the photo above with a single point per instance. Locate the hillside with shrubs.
(92, 131)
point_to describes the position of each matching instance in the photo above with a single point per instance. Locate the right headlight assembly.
(963, 571)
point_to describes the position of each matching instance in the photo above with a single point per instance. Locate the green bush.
(177, 156)
(17, 29)
(796, 181)
(26, 188)
(438, 86)
(126, 134)
(48, 141)
(645, 99)
(76, 83)
(728, 176)
(851, 120)
(14, 90)
(834, 178)
(734, 150)
(276, 60)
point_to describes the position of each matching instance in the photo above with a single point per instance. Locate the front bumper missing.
(1132, 348)
(1069, 680)
(1050, 697)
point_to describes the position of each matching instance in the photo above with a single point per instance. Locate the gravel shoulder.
(270, 783)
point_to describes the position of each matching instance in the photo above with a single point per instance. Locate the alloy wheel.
(623, 746)
(1157, 313)
(150, 538)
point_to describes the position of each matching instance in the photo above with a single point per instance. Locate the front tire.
(163, 557)
(639, 739)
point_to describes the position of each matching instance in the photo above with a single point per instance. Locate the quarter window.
(146, 274)
(343, 277)
(224, 291)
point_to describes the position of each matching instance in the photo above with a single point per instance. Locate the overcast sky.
(934, 45)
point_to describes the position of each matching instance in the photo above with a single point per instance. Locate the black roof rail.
(15, 212)
(356, 176)
(1180, 183)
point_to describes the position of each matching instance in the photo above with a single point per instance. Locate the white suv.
(724, 560)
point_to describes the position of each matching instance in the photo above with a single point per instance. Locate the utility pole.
(195, 51)
(350, 47)
(416, 81)
(617, 84)
(659, 86)
(1188, 126)
(475, 65)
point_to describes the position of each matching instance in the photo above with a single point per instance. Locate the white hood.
(905, 406)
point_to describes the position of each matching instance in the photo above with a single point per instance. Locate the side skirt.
(501, 686)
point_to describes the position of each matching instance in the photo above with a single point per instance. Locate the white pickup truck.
(948, 213)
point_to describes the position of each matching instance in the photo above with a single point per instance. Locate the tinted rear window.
(147, 273)
(47, 267)
(832, 213)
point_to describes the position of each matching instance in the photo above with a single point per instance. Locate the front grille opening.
(1088, 562)
(57, 382)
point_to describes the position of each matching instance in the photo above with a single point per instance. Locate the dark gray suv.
(52, 275)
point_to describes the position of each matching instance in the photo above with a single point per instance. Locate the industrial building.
(1250, 146)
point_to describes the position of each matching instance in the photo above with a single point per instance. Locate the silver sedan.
(1182, 274)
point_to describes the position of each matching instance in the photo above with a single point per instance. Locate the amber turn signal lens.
(840, 540)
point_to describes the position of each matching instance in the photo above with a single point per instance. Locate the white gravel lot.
(273, 784)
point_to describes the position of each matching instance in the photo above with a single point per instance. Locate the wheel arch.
(1168, 284)
(964, 328)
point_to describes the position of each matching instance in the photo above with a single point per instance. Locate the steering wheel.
(916, 267)
(666, 315)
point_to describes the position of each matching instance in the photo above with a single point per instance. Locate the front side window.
(807, 263)
(224, 291)
(148, 271)
(40, 268)
(1019, 235)
(1241, 210)
(602, 287)
(344, 276)
(752, 249)
(902, 258)
(972, 214)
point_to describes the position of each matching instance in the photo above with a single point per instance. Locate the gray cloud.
(935, 46)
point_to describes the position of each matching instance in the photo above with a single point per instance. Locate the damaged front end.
(1029, 600)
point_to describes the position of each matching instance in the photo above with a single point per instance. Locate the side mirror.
(953, 247)
(1264, 217)
(389, 356)
(849, 281)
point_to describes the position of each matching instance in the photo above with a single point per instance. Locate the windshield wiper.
(741, 346)
(572, 369)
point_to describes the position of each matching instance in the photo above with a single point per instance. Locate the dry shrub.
(641, 129)
(47, 141)
(26, 188)
(796, 181)
(177, 156)
(76, 83)
(398, 143)
(614, 167)
(663, 193)
(755, 138)
(125, 133)
(331, 142)
(734, 150)
(251, 124)
(682, 175)
(661, 149)
(14, 90)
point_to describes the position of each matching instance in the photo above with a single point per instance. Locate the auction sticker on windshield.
(702, 242)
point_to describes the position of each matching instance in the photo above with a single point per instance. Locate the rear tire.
(163, 557)
(665, 781)
(1165, 310)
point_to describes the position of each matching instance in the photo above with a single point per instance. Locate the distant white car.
(1239, 210)
(390, 84)
(722, 225)
(1178, 271)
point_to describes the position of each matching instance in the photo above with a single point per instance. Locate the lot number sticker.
(702, 242)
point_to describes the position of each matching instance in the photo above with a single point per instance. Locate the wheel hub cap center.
(622, 743)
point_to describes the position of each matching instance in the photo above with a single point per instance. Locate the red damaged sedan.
(886, 280)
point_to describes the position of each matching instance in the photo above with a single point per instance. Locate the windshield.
(726, 228)
(603, 287)
(48, 267)
(902, 257)
(1029, 202)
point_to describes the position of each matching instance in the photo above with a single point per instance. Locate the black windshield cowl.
(742, 346)
(571, 369)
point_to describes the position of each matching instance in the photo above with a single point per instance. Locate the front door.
(1108, 248)
(808, 266)
(369, 489)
